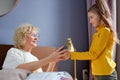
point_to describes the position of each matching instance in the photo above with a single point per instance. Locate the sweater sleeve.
(97, 47)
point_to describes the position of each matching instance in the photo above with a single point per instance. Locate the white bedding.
(13, 74)
(50, 76)
(19, 74)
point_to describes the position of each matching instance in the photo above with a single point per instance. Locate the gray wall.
(57, 20)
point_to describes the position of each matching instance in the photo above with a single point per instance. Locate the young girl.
(101, 49)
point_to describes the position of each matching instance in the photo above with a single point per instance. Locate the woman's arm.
(32, 66)
(56, 56)
(51, 67)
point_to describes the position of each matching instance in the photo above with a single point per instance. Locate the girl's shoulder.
(105, 30)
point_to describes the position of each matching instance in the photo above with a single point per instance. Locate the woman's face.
(94, 19)
(32, 39)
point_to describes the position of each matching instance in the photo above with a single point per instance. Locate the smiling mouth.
(34, 41)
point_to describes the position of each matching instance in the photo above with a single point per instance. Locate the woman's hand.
(59, 55)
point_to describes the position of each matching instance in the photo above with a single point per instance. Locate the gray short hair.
(21, 33)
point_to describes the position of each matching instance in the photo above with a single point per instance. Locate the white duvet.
(50, 76)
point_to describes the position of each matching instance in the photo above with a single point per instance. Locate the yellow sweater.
(100, 52)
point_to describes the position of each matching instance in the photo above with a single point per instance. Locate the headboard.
(40, 52)
(3, 51)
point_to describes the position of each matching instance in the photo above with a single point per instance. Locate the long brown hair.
(101, 8)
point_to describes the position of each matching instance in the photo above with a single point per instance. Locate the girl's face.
(94, 19)
(32, 39)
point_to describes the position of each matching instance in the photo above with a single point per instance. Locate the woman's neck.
(28, 49)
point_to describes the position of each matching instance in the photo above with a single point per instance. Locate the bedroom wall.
(57, 20)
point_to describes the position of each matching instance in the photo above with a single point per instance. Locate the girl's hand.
(59, 55)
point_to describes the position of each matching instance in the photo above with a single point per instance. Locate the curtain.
(118, 46)
(91, 30)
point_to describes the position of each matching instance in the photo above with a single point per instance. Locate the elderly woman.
(26, 38)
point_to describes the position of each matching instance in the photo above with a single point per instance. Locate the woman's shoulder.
(14, 49)
(14, 53)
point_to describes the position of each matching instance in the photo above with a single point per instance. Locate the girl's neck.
(101, 23)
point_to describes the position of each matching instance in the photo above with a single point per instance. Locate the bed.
(18, 74)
